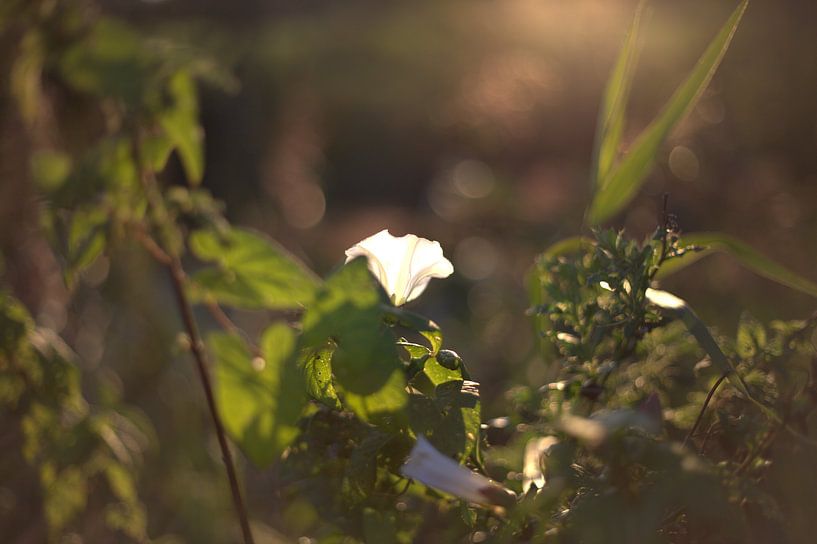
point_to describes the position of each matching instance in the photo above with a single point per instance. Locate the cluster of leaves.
(339, 386)
(337, 350)
(77, 454)
(662, 461)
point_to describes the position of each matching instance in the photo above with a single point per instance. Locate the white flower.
(535, 449)
(664, 299)
(403, 265)
(427, 465)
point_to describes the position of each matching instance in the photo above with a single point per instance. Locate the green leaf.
(260, 399)
(432, 375)
(317, 368)
(450, 419)
(383, 406)
(87, 234)
(181, 124)
(361, 469)
(573, 244)
(426, 327)
(110, 60)
(379, 526)
(614, 102)
(679, 309)
(622, 183)
(50, 169)
(751, 338)
(66, 498)
(253, 272)
(713, 242)
(367, 369)
(459, 432)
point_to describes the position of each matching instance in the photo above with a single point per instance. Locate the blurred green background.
(471, 123)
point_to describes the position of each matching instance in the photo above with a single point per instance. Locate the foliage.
(76, 453)
(658, 429)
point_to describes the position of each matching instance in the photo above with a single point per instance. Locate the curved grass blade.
(568, 245)
(713, 242)
(614, 103)
(624, 181)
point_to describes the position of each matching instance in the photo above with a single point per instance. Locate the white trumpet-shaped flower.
(532, 472)
(427, 465)
(404, 265)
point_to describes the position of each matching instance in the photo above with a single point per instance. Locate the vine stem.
(703, 408)
(178, 278)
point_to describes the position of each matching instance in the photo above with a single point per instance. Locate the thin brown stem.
(178, 279)
(150, 245)
(703, 408)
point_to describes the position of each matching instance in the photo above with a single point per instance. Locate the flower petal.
(427, 465)
(404, 265)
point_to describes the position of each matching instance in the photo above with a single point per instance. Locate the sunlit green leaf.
(712, 242)
(622, 183)
(416, 322)
(751, 337)
(50, 169)
(348, 310)
(432, 375)
(614, 102)
(317, 367)
(181, 124)
(568, 245)
(252, 271)
(260, 398)
(86, 241)
(66, 497)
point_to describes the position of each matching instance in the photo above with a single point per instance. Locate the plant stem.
(703, 408)
(177, 277)
(173, 264)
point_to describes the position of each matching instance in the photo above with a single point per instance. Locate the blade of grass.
(614, 102)
(713, 242)
(679, 309)
(623, 182)
(568, 245)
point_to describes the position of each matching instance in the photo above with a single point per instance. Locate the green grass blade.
(614, 102)
(713, 242)
(568, 245)
(624, 181)
(679, 309)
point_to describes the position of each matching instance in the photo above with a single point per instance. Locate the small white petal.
(532, 465)
(427, 465)
(403, 265)
(665, 299)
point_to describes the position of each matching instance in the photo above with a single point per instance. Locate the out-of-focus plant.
(654, 428)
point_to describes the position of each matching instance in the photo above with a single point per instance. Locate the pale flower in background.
(532, 472)
(403, 265)
(427, 465)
